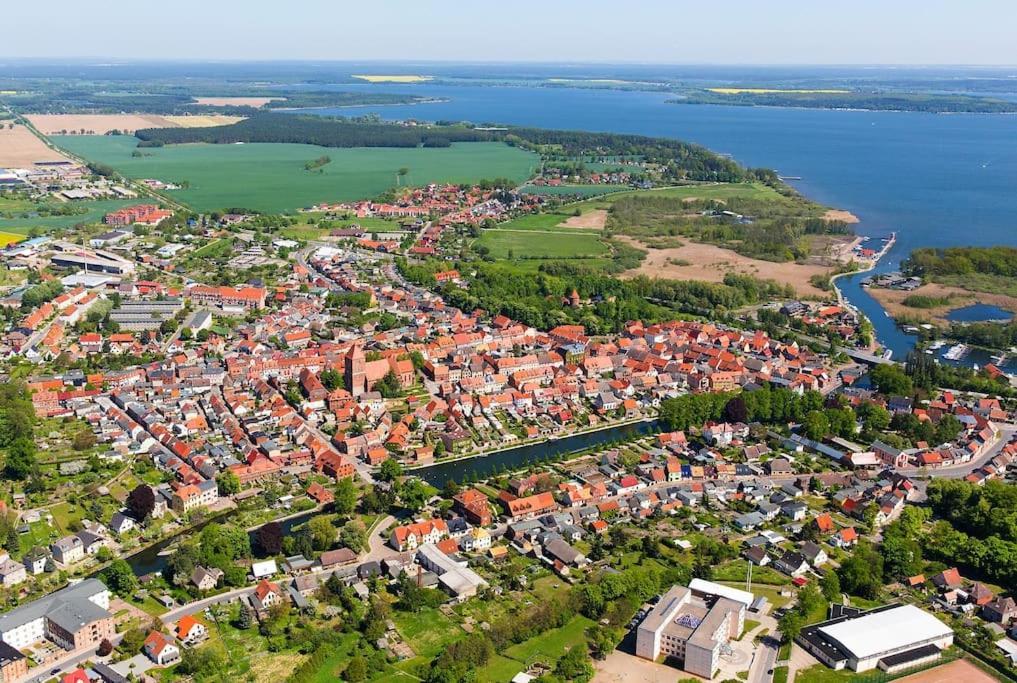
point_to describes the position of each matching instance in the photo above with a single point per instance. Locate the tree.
(331, 379)
(105, 647)
(21, 463)
(120, 578)
(816, 425)
(345, 497)
(323, 532)
(390, 470)
(356, 670)
(132, 641)
(228, 482)
(830, 583)
(862, 573)
(270, 537)
(83, 440)
(890, 379)
(244, 617)
(790, 625)
(353, 535)
(575, 665)
(736, 410)
(141, 502)
(414, 494)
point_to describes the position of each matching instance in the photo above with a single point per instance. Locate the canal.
(469, 469)
(148, 560)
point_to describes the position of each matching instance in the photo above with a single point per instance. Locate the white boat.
(956, 352)
(938, 344)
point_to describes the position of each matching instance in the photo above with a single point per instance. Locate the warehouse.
(891, 637)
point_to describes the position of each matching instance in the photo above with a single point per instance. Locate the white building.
(692, 625)
(890, 637)
(27, 624)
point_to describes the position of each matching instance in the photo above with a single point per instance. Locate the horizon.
(792, 32)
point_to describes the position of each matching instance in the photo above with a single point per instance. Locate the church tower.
(355, 371)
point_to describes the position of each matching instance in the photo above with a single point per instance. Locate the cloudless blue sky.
(662, 31)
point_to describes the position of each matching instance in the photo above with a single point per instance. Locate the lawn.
(427, 631)
(736, 570)
(538, 221)
(547, 647)
(542, 245)
(94, 211)
(271, 177)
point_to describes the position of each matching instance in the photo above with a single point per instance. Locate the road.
(1006, 432)
(764, 659)
(69, 661)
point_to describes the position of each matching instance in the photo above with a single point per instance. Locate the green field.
(272, 178)
(525, 244)
(93, 214)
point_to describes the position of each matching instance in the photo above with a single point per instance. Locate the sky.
(643, 31)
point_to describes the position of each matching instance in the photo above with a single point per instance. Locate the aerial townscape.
(463, 372)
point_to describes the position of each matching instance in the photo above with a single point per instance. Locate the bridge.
(865, 357)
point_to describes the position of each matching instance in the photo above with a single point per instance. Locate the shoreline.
(532, 442)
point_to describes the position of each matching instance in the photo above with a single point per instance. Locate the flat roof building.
(890, 637)
(692, 627)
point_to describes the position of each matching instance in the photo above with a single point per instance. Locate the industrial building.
(455, 577)
(68, 255)
(693, 625)
(892, 637)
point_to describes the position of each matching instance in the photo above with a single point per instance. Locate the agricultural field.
(23, 220)
(95, 124)
(273, 178)
(381, 78)
(21, 148)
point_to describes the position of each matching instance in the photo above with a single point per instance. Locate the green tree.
(323, 532)
(356, 670)
(21, 463)
(228, 482)
(120, 578)
(390, 470)
(830, 584)
(345, 497)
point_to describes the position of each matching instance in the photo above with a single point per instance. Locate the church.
(361, 374)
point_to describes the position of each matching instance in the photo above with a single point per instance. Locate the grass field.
(542, 245)
(272, 177)
(94, 213)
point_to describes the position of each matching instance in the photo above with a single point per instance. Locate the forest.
(317, 130)
(180, 101)
(871, 101)
(1001, 261)
(681, 160)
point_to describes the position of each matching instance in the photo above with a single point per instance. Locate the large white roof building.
(891, 636)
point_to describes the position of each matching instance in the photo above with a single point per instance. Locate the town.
(462, 431)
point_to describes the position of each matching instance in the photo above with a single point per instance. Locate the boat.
(938, 344)
(1000, 359)
(887, 354)
(956, 352)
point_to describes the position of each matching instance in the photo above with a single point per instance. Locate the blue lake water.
(937, 180)
(978, 313)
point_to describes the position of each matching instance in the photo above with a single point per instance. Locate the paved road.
(766, 657)
(1006, 432)
(65, 664)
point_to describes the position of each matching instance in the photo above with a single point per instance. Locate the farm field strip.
(272, 177)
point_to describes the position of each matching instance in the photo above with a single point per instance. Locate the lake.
(937, 180)
(979, 313)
